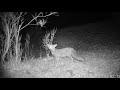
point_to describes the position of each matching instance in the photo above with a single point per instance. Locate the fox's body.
(65, 52)
(59, 53)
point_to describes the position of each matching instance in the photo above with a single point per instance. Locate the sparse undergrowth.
(50, 67)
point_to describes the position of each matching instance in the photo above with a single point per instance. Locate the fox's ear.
(55, 45)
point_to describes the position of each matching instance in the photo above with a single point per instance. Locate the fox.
(65, 52)
(59, 53)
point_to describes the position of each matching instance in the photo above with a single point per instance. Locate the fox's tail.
(77, 57)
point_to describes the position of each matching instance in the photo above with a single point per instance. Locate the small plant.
(47, 41)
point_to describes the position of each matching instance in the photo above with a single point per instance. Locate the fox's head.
(52, 47)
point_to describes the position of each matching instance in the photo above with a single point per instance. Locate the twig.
(35, 17)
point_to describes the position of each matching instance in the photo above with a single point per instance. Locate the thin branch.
(35, 17)
(52, 35)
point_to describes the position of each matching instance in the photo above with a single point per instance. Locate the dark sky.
(67, 19)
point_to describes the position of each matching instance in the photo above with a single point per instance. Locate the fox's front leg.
(48, 53)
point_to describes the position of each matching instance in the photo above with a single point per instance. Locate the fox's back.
(67, 52)
(63, 52)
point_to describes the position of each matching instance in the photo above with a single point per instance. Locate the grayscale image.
(59, 44)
